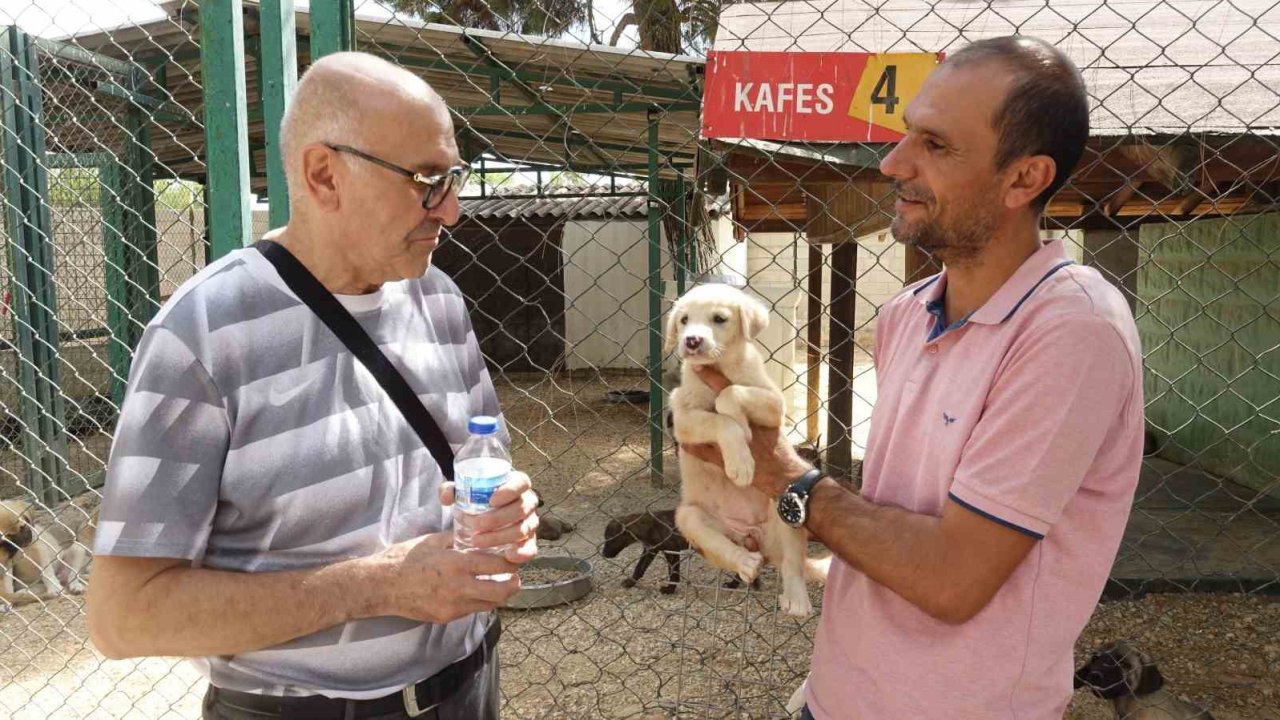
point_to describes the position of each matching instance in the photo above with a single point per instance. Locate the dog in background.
(1131, 681)
(79, 515)
(657, 534)
(29, 552)
(716, 325)
(550, 527)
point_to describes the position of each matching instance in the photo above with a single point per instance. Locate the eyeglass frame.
(454, 177)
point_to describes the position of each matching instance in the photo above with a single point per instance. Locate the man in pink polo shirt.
(1006, 438)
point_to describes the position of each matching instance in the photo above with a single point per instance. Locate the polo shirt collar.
(1050, 258)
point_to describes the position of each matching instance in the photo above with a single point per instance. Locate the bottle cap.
(483, 425)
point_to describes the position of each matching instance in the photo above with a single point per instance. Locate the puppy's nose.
(692, 342)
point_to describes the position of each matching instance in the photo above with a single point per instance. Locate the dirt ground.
(704, 652)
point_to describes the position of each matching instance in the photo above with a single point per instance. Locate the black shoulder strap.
(335, 316)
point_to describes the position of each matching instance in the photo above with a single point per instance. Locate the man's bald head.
(347, 98)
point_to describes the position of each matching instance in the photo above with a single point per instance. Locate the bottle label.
(479, 491)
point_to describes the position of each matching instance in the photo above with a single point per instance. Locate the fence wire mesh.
(598, 201)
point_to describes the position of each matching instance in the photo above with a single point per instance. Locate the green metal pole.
(140, 236)
(121, 342)
(332, 27)
(279, 62)
(34, 294)
(656, 441)
(225, 125)
(682, 236)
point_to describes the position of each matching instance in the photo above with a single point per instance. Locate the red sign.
(819, 97)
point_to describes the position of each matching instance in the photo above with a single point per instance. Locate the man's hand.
(512, 519)
(427, 580)
(777, 462)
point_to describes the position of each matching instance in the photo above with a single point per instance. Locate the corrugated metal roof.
(580, 206)
(1151, 66)
(582, 202)
(576, 78)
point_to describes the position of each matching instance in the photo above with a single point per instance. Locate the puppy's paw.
(77, 586)
(629, 583)
(669, 589)
(728, 405)
(740, 467)
(796, 604)
(749, 564)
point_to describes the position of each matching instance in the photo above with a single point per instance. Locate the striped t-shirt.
(251, 440)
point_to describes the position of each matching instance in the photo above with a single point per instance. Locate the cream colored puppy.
(28, 554)
(719, 509)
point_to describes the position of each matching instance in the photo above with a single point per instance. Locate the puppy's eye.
(720, 319)
(684, 320)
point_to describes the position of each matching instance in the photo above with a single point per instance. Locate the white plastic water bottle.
(479, 468)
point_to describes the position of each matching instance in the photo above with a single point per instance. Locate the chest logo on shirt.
(947, 419)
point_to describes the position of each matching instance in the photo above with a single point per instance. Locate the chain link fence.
(600, 197)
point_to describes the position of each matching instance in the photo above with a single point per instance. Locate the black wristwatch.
(793, 505)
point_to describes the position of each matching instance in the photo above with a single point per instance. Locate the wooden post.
(919, 265)
(840, 214)
(813, 376)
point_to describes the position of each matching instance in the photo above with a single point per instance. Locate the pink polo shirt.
(1029, 412)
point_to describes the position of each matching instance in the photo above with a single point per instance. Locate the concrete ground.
(1190, 530)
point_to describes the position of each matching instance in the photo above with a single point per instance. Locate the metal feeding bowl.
(576, 583)
(629, 397)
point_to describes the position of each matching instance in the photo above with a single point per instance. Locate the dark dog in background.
(1132, 682)
(656, 532)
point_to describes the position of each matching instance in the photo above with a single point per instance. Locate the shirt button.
(933, 349)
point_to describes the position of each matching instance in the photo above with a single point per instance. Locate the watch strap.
(803, 484)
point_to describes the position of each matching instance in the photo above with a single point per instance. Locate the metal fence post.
(332, 27)
(120, 343)
(143, 265)
(26, 188)
(655, 307)
(278, 55)
(225, 124)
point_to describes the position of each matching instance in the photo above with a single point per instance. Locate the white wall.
(606, 266)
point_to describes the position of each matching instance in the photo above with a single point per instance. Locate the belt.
(413, 700)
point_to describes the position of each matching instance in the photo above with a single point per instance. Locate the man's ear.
(319, 175)
(753, 316)
(1028, 178)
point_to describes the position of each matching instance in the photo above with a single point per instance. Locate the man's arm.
(162, 606)
(950, 566)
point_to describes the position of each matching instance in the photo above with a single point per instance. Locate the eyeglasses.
(437, 186)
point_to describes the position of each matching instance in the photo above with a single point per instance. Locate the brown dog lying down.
(656, 532)
(550, 527)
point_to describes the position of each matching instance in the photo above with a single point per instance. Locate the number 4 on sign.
(888, 83)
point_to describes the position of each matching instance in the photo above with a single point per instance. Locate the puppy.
(29, 553)
(656, 532)
(715, 325)
(79, 515)
(1132, 682)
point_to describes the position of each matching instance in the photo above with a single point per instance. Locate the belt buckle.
(410, 696)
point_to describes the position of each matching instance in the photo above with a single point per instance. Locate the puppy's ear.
(1149, 680)
(673, 328)
(753, 316)
(12, 515)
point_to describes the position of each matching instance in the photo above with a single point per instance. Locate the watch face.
(790, 509)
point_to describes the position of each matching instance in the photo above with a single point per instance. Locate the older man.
(1006, 438)
(268, 510)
